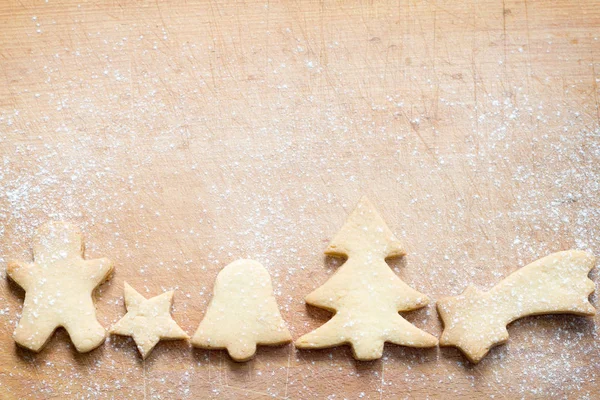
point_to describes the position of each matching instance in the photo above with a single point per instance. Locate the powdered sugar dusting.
(183, 136)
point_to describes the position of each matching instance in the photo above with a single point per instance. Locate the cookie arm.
(99, 269)
(21, 273)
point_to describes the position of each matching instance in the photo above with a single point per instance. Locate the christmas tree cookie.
(243, 312)
(364, 293)
(59, 285)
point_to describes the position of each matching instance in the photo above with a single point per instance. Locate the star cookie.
(148, 320)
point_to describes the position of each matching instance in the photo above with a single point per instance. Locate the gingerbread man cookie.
(59, 285)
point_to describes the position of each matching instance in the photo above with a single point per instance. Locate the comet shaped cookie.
(242, 313)
(58, 289)
(476, 321)
(364, 293)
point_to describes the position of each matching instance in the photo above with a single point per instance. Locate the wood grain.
(182, 135)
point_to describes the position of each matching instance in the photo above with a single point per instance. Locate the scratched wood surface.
(182, 135)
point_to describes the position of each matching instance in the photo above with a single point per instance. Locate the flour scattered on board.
(179, 147)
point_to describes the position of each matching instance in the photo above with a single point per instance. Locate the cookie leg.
(34, 333)
(86, 333)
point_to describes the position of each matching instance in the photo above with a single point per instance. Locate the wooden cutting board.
(182, 135)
